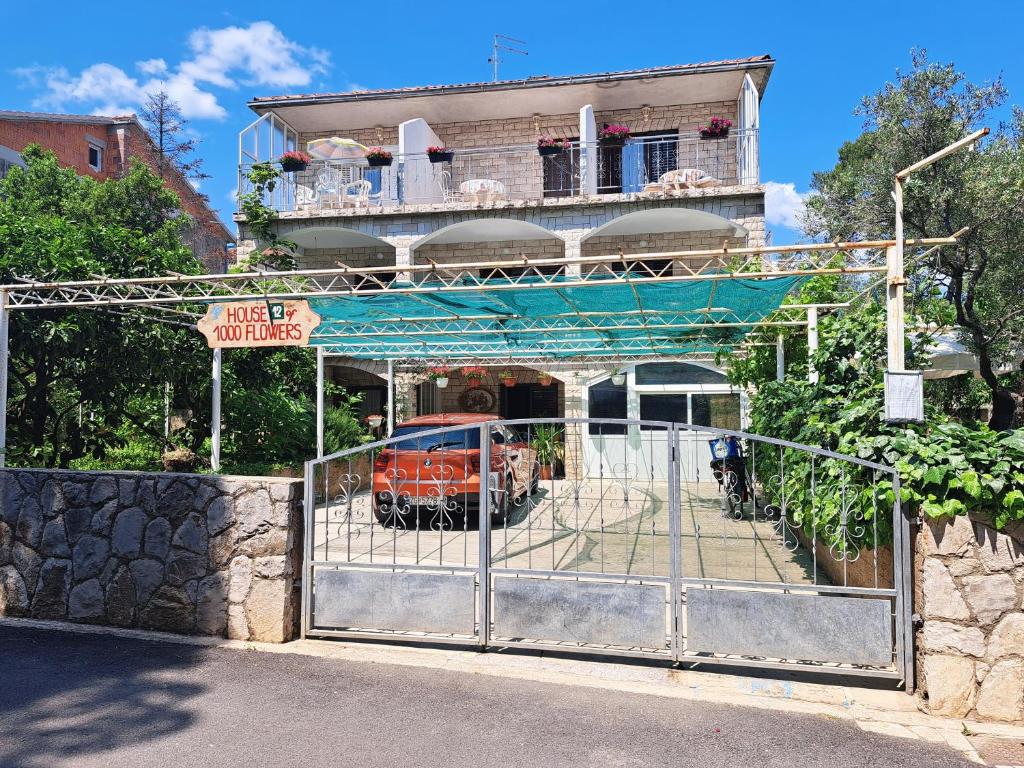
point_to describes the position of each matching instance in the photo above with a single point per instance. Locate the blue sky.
(213, 56)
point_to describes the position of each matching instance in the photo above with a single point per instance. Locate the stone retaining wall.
(195, 554)
(969, 590)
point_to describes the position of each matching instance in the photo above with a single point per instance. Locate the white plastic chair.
(331, 182)
(482, 190)
(356, 193)
(444, 181)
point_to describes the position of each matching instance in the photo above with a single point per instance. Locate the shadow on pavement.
(65, 695)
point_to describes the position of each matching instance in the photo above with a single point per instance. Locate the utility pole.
(500, 43)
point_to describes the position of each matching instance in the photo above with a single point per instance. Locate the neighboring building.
(497, 199)
(102, 147)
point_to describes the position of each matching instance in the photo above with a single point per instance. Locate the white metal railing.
(659, 164)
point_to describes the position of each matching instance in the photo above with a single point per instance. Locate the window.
(663, 408)
(677, 373)
(721, 411)
(644, 158)
(562, 172)
(95, 157)
(607, 401)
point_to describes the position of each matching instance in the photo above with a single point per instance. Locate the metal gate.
(779, 555)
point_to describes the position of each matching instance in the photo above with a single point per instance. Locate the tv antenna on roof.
(500, 44)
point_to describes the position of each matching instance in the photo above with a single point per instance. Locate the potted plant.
(374, 420)
(613, 135)
(378, 158)
(546, 441)
(618, 378)
(294, 161)
(718, 128)
(544, 379)
(439, 375)
(548, 145)
(508, 378)
(474, 375)
(440, 154)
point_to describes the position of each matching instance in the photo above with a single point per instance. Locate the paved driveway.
(94, 700)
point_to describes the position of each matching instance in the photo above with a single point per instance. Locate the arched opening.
(526, 393)
(334, 247)
(491, 240)
(662, 230)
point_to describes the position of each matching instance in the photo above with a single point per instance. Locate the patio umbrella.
(335, 148)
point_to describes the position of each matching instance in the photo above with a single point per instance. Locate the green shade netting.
(548, 317)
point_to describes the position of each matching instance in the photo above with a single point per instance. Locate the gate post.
(484, 528)
(902, 569)
(675, 559)
(308, 517)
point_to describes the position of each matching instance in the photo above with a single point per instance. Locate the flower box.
(718, 128)
(613, 135)
(294, 161)
(546, 145)
(440, 154)
(378, 158)
(544, 380)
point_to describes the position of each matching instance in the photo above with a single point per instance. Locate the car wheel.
(535, 478)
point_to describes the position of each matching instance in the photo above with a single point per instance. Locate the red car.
(437, 477)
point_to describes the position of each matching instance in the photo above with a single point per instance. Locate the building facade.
(102, 148)
(672, 185)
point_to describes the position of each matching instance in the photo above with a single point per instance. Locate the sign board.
(259, 324)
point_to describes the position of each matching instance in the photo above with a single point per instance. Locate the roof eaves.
(762, 61)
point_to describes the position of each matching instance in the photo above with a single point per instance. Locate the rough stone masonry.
(970, 594)
(191, 554)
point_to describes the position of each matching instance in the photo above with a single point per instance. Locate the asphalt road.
(93, 700)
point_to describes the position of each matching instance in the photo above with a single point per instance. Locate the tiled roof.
(55, 117)
(426, 90)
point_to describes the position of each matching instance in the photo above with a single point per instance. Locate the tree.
(69, 365)
(163, 119)
(926, 109)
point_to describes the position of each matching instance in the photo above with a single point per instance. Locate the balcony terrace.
(664, 165)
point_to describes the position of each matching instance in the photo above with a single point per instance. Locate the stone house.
(497, 199)
(102, 148)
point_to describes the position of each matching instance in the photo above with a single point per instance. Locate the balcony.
(648, 166)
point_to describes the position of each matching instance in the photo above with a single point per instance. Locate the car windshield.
(456, 439)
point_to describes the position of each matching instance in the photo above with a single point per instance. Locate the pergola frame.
(180, 299)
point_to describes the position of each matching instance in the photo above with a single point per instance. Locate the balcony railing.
(649, 165)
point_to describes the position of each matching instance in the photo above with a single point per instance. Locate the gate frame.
(902, 637)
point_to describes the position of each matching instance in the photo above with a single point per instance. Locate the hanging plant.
(375, 420)
(439, 375)
(618, 378)
(508, 378)
(544, 379)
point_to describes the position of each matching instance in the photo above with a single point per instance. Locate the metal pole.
(484, 552)
(894, 320)
(780, 358)
(812, 343)
(320, 402)
(391, 396)
(5, 318)
(215, 418)
(167, 410)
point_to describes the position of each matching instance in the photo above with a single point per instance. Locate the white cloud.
(258, 54)
(783, 205)
(151, 66)
(233, 196)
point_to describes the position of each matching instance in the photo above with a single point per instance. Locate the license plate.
(422, 501)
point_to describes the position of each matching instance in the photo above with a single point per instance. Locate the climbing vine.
(271, 251)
